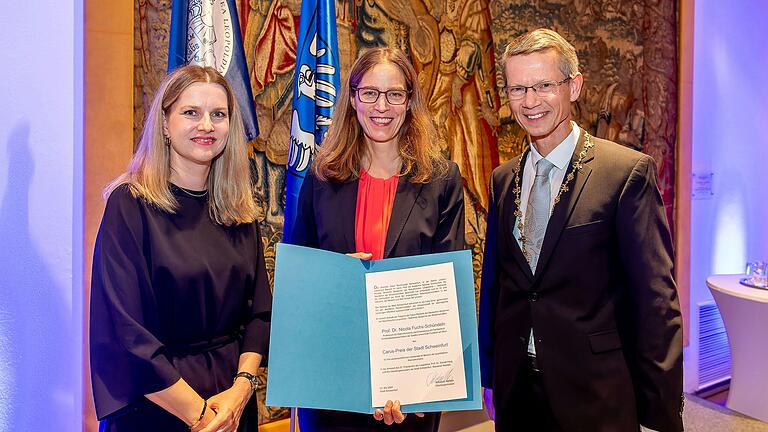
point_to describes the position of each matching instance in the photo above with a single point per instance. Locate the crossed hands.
(227, 408)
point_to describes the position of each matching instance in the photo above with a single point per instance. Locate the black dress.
(172, 296)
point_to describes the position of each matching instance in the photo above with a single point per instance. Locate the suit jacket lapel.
(510, 221)
(405, 198)
(564, 208)
(348, 198)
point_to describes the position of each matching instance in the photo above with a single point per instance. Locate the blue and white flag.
(207, 33)
(316, 80)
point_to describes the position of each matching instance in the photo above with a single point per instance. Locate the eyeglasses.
(544, 88)
(369, 95)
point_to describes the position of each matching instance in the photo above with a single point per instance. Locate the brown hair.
(541, 40)
(229, 185)
(338, 158)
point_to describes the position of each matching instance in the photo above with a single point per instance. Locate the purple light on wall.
(41, 217)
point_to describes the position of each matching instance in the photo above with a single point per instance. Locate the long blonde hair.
(338, 158)
(229, 184)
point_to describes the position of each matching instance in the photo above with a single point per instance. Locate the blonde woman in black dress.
(180, 303)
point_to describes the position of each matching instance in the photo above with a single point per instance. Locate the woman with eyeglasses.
(379, 188)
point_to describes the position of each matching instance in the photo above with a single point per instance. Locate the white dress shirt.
(561, 158)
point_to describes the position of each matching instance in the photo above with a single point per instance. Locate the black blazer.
(603, 304)
(426, 217)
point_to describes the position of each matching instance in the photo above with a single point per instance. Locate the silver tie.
(537, 212)
(536, 219)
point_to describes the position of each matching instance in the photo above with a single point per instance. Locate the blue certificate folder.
(318, 351)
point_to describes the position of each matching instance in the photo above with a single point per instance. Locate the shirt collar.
(562, 154)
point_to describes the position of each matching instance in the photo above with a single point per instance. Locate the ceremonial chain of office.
(563, 188)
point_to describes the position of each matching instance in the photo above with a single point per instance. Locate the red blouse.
(375, 197)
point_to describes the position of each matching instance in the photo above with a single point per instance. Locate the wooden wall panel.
(108, 131)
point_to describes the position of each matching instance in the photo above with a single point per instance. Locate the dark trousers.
(531, 411)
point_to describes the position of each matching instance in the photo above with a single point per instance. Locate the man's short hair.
(541, 40)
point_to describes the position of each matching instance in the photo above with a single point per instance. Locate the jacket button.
(533, 296)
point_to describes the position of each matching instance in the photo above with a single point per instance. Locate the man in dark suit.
(580, 326)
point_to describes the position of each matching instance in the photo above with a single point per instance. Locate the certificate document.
(350, 334)
(414, 335)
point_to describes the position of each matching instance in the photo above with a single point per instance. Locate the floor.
(700, 415)
(465, 421)
(720, 397)
(705, 415)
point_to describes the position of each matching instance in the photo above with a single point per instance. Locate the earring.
(166, 140)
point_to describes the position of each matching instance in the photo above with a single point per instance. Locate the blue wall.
(730, 141)
(41, 136)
